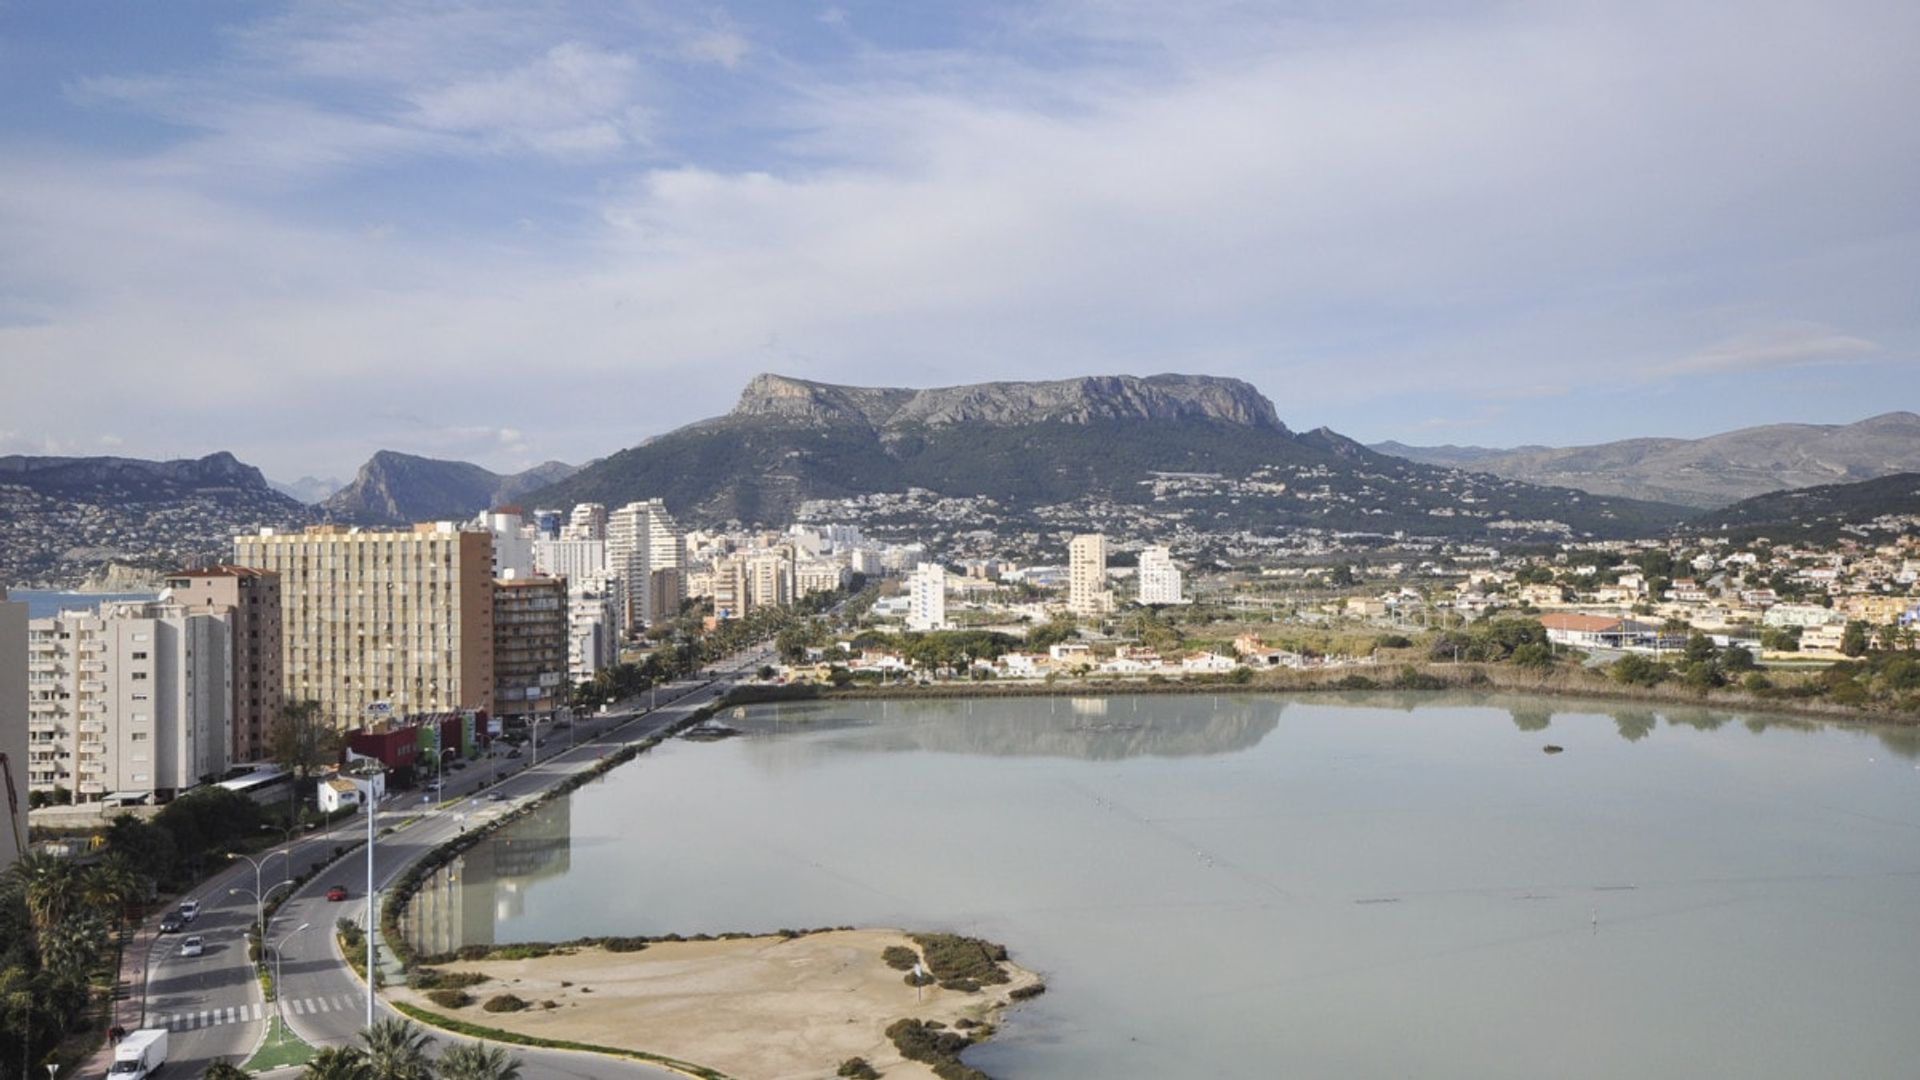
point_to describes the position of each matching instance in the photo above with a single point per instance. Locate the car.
(189, 910)
(457, 765)
(514, 753)
(337, 893)
(496, 797)
(193, 946)
(172, 923)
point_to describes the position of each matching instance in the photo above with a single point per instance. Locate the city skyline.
(320, 230)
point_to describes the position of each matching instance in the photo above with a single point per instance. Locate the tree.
(1699, 648)
(478, 1061)
(300, 741)
(1853, 641)
(222, 1070)
(397, 1050)
(338, 1063)
(51, 887)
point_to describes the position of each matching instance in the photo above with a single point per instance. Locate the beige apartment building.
(530, 634)
(647, 549)
(128, 703)
(13, 726)
(250, 599)
(1087, 592)
(397, 620)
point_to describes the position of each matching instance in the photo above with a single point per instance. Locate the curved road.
(212, 1003)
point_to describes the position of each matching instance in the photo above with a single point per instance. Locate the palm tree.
(337, 1063)
(478, 1061)
(397, 1050)
(50, 885)
(222, 1070)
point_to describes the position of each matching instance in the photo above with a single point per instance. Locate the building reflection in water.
(465, 900)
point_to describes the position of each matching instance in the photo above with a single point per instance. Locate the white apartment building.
(647, 549)
(770, 578)
(13, 724)
(587, 522)
(927, 597)
(571, 559)
(1159, 577)
(1087, 592)
(128, 703)
(819, 575)
(593, 625)
(513, 541)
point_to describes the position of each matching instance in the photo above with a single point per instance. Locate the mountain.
(1821, 513)
(1209, 452)
(1706, 473)
(311, 490)
(69, 517)
(395, 488)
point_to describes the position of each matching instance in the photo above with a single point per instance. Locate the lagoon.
(1321, 885)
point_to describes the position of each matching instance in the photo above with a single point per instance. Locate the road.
(213, 1004)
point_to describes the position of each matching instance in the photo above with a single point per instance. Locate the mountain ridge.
(1706, 473)
(393, 488)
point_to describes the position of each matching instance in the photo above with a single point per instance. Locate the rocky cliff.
(1009, 404)
(394, 488)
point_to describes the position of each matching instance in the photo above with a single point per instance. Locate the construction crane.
(13, 807)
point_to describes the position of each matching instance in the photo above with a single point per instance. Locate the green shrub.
(954, 957)
(448, 998)
(1025, 992)
(624, 944)
(857, 1068)
(899, 957)
(501, 1003)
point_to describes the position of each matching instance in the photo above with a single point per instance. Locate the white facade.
(13, 722)
(587, 522)
(132, 700)
(927, 597)
(1159, 577)
(647, 549)
(513, 542)
(1087, 592)
(570, 559)
(593, 625)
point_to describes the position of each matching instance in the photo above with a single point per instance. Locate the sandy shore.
(765, 1008)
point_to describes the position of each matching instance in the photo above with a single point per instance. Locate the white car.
(189, 909)
(193, 946)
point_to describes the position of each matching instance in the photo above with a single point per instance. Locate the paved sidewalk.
(128, 1007)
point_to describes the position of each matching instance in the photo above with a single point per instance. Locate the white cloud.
(1789, 345)
(571, 99)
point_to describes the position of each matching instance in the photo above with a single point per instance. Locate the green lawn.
(280, 1048)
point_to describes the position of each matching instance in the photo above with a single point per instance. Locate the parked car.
(171, 923)
(496, 797)
(193, 946)
(514, 753)
(337, 893)
(189, 910)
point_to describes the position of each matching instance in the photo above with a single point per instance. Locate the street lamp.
(279, 997)
(260, 907)
(259, 923)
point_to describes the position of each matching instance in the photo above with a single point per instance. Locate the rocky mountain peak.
(1007, 404)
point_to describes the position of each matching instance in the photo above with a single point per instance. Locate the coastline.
(769, 1007)
(1559, 682)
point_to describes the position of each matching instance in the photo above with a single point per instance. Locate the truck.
(139, 1055)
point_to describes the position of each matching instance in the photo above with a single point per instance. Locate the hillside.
(67, 518)
(1202, 451)
(1821, 513)
(394, 488)
(1711, 472)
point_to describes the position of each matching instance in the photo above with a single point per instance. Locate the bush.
(1025, 992)
(1393, 641)
(1636, 670)
(448, 998)
(952, 957)
(899, 957)
(624, 944)
(858, 1069)
(503, 1003)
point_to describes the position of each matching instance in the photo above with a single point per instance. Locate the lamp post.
(259, 906)
(279, 998)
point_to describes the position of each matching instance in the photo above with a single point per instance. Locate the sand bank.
(762, 1008)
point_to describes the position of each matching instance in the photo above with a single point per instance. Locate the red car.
(338, 892)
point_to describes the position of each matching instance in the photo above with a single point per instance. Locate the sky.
(516, 232)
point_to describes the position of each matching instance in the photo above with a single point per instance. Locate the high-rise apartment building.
(770, 578)
(927, 597)
(646, 548)
(529, 646)
(128, 703)
(587, 522)
(731, 595)
(13, 726)
(570, 559)
(593, 625)
(513, 541)
(250, 600)
(1159, 577)
(1087, 592)
(403, 618)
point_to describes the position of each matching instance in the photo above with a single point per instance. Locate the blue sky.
(514, 232)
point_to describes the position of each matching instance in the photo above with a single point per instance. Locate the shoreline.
(1389, 676)
(767, 1006)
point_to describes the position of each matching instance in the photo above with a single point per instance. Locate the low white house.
(340, 791)
(1208, 663)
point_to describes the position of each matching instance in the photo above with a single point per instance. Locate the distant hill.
(394, 488)
(1056, 453)
(1818, 513)
(311, 490)
(1707, 473)
(69, 517)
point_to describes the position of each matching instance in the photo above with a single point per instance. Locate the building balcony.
(92, 787)
(93, 707)
(43, 667)
(93, 686)
(93, 667)
(93, 727)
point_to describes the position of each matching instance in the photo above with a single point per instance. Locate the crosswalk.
(193, 1020)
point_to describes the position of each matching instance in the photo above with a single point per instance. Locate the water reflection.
(1090, 729)
(464, 902)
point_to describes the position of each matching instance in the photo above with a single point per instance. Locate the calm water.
(1372, 885)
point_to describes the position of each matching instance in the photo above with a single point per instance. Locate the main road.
(213, 1003)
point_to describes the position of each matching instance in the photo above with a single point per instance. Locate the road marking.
(298, 1010)
(322, 1005)
(204, 1021)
